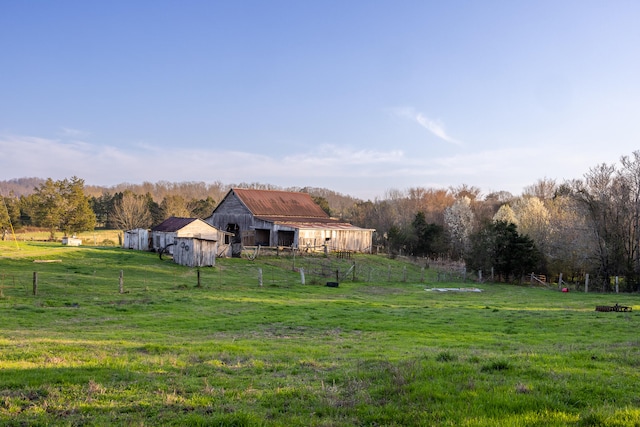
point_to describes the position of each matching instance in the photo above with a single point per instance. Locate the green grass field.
(89, 238)
(233, 353)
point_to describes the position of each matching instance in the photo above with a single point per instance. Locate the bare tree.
(131, 211)
(465, 190)
(630, 174)
(569, 241)
(599, 194)
(543, 189)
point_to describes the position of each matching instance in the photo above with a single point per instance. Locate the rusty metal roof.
(279, 219)
(322, 225)
(173, 224)
(275, 203)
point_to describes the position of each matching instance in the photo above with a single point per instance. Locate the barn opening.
(263, 237)
(235, 229)
(285, 238)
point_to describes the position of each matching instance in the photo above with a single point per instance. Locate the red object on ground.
(565, 289)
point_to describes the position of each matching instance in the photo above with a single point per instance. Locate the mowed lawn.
(233, 353)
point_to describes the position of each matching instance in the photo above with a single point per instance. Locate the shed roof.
(276, 203)
(173, 223)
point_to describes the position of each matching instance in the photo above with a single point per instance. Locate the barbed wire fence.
(87, 282)
(335, 269)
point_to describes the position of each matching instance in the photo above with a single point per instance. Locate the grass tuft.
(446, 356)
(496, 366)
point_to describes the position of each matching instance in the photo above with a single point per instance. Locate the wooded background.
(577, 227)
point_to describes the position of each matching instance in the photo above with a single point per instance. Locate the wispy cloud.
(67, 132)
(110, 165)
(332, 155)
(436, 127)
(361, 172)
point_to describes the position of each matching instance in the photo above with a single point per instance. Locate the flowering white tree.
(506, 214)
(459, 220)
(533, 220)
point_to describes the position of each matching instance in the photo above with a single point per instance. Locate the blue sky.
(356, 96)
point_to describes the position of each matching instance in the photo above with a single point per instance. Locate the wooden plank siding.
(165, 234)
(194, 252)
(232, 211)
(136, 239)
(356, 240)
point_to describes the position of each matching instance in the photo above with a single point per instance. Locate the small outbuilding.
(137, 239)
(195, 252)
(164, 236)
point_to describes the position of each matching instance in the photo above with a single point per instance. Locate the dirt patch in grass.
(380, 290)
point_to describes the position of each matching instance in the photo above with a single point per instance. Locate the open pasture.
(231, 352)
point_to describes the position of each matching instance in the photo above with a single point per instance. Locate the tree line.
(70, 206)
(589, 225)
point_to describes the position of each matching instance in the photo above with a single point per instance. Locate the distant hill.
(19, 186)
(339, 203)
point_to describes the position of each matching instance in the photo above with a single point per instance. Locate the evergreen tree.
(78, 215)
(498, 245)
(201, 208)
(62, 205)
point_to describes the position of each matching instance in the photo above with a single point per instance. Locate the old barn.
(285, 219)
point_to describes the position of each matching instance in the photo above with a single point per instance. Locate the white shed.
(137, 239)
(164, 234)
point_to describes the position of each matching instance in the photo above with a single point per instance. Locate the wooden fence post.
(35, 283)
(616, 284)
(121, 281)
(302, 275)
(586, 283)
(198, 274)
(260, 277)
(479, 275)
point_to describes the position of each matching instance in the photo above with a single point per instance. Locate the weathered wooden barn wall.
(137, 239)
(276, 234)
(195, 252)
(356, 240)
(232, 211)
(161, 239)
